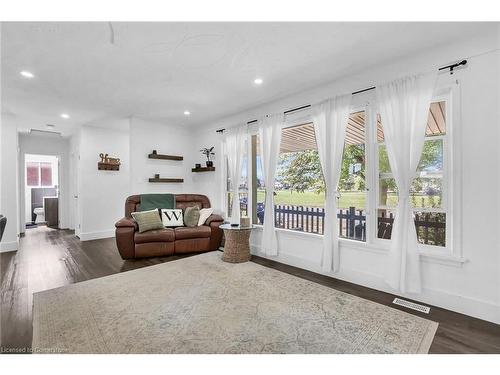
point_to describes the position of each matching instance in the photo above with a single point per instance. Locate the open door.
(41, 191)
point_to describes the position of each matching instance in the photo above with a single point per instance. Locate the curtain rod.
(450, 67)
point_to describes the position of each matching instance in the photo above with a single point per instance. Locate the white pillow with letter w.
(172, 217)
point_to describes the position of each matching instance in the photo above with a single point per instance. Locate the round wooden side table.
(237, 243)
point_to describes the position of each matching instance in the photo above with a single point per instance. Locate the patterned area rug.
(203, 305)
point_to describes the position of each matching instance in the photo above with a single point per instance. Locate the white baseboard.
(458, 303)
(88, 236)
(467, 305)
(9, 246)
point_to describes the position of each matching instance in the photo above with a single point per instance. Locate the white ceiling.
(157, 70)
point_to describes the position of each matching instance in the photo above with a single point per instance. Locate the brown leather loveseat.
(167, 241)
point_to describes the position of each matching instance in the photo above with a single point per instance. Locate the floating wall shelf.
(157, 178)
(108, 166)
(155, 155)
(203, 169)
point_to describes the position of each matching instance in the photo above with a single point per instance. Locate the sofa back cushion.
(181, 201)
(189, 200)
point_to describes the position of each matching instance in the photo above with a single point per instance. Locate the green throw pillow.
(191, 216)
(148, 220)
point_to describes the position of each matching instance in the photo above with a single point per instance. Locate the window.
(366, 184)
(45, 174)
(242, 189)
(428, 187)
(351, 202)
(299, 197)
(33, 173)
(38, 174)
(258, 186)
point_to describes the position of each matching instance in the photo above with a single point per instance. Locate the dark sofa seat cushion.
(157, 235)
(183, 233)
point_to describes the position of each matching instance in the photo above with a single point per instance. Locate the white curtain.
(404, 108)
(235, 150)
(330, 120)
(270, 139)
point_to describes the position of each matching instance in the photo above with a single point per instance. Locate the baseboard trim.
(88, 236)
(5, 247)
(470, 306)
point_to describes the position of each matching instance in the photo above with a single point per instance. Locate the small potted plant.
(208, 152)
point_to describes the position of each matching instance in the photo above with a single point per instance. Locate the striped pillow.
(148, 220)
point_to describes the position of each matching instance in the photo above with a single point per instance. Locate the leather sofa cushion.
(154, 249)
(157, 235)
(183, 233)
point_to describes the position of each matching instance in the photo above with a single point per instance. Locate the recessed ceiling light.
(258, 81)
(27, 74)
(187, 113)
(64, 115)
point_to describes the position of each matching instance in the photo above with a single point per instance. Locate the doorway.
(41, 191)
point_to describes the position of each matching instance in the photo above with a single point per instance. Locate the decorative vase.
(210, 163)
(198, 166)
(245, 222)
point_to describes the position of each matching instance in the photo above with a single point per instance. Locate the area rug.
(201, 304)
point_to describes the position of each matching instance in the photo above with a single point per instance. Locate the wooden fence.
(352, 223)
(306, 219)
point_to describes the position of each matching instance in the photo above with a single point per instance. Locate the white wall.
(46, 145)
(9, 199)
(471, 287)
(101, 195)
(146, 136)
(207, 183)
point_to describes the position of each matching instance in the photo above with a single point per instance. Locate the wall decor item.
(245, 222)
(157, 178)
(156, 155)
(108, 163)
(208, 152)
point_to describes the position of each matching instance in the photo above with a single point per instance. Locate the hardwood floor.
(50, 258)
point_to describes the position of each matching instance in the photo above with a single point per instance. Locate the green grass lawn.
(311, 199)
(347, 199)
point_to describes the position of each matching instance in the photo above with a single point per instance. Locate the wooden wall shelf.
(108, 166)
(169, 180)
(154, 155)
(157, 178)
(203, 169)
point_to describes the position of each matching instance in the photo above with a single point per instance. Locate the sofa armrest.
(126, 223)
(214, 222)
(214, 219)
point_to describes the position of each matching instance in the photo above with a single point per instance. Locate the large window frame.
(451, 175)
(446, 176)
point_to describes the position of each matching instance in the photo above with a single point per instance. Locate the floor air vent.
(411, 305)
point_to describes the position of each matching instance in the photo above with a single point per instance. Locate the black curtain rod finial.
(453, 66)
